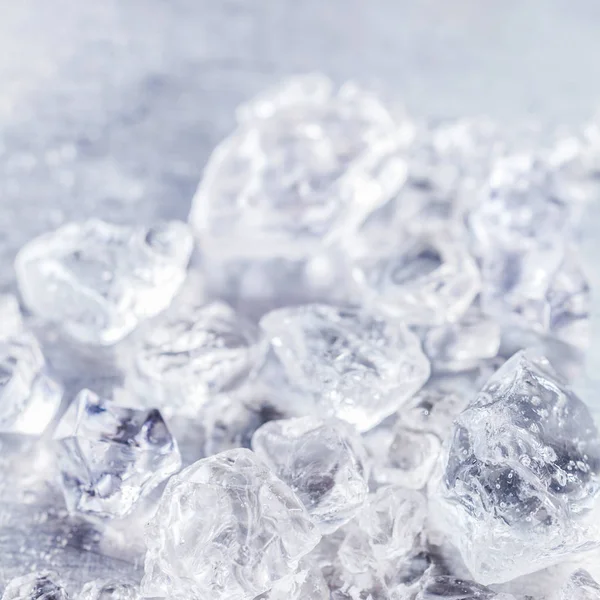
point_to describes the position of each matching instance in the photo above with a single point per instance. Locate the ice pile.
(362, 384)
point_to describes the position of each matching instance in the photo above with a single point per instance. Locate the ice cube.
(323, 462)
(110, 456)
(425, 278)
(463, 345)
(580, 586)
(98, 280)
(452, 588)
(385, 530)
(521, 474)
(108, 590)
(226, 528)
(402, 456)
(35, 586)
(307, 583)
(29, 397)
(192, 354)
(360, 366)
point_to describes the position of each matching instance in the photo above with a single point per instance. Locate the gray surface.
(111, 108)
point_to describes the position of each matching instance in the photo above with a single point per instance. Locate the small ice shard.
(360, 366)
(522, 289)
(108, 590)
(434, 408)
(580, 586)
(446, 587)
(110, 456)
(366, 585)
(521, 474)
(35, 586)
(385, 530)
(307, 583)
(296, 174)
(98, 280)
(323, 462)
(11, 322)
(193, 354)
(427, 278)
(461, 346)
(29, 397)
(402, 456)
(525, 205)
(226, 528)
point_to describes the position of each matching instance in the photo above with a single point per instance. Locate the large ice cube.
(226, 528)
(522, 474)
(110, 456)
(360, 366)
(35, 586)
(324, 462)
(98, 280)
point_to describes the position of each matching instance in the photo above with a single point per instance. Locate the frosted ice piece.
(522, 474)
(193, 354)
(445, 586)
(227, 529)
(323, 462)
(110, 456)
(526, 204)
(367, 585)
(35, 586)
(108, 590)
(11, 323)
(522, 290)
(426, 278)
(29, 397)
(580, 586)
(298, 172)
(401, 456)
(99, 280)
(360, 366)
(385, 530)
(461, 346)
(307, 583)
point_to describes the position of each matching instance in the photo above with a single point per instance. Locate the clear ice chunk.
(360, 366)
(193, 354)
(580, 586)
(524, 290)
(425, 278)
(35, 586)
(307, 583)
(323, 462)
(108, 590)
(402, 456)
(461, 346)
(98, 280)
(385, 530)
(451, 588)
(29, 397)
(521, 474)
(226, 528)
(296, 173)
(110, 456)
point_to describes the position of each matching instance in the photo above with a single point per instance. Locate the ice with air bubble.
(227, 528)
(98, 280)
(360, 366)
(521, 474)
(110, 456)
(323, 462)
